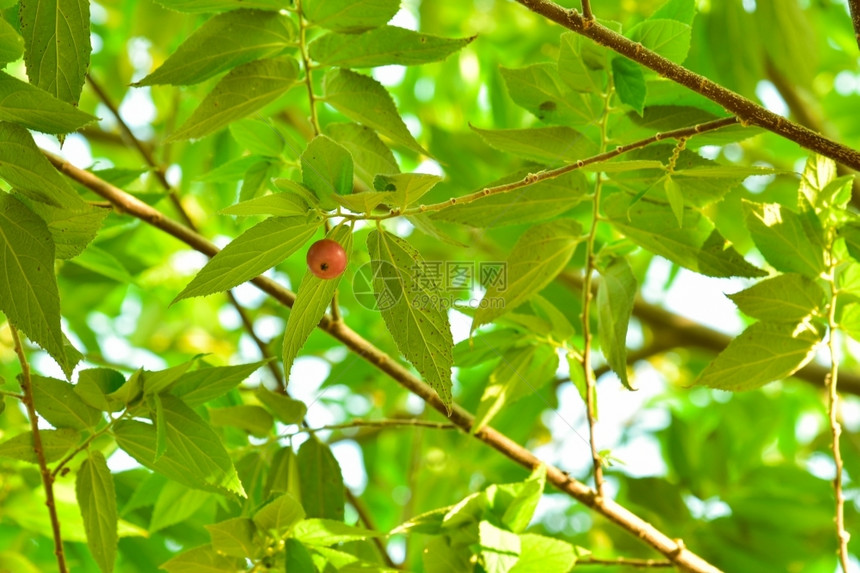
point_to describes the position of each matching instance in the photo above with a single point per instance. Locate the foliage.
(523, 210)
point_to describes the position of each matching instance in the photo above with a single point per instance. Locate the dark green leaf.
(407, 188)
(286, 409)
(11, 43)
(629, 83)
(97, 499)
(34, 108)
(248, 417)
(321, 481)
(71, 229)
(327, 169)
(542, 144)
(350, 15)
(55, 444)
(615, 296)
(669, 38)
(57, 402)
(582, 64)
(538, 89)
(370, 155)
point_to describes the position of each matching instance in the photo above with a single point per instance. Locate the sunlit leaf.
(615, 296)
(96, 496)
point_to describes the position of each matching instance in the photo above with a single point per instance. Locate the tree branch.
(854, 8)
(746, 110)
(47, 478)
(624, 562)
(674, 550)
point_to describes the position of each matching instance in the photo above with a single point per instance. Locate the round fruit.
(327, 259)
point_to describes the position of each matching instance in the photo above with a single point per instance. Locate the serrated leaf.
(71, 229)
(539, 554)
(581, 63)
(252, 253)
(222, 43)
(499, 549)
(176, 503)
(615, 296)
(248, 417)
(350, 15)
(407, 188)
(276, 204)
(422, 332)
(629, 83)
(681, 10)
(234, 537)
(287, 410)
(29, 296)
(11, 43)
(785, 238)
(36, 109)
(258, 136)
(203, 559)
(370, 155)
(312, 299)
(195, 455)
(669, 38)
(327, 532)
(96, 497)
(383, 46)
(55, 444)
(56, 401)
(537, 258)
(244, 90)
(530, 204)
(279, 515)
(57, 45)
(327, 169)
(696, 245)
(363, 99)
(539, 90)
(26, 169)
(675, 197)
(198, 6)
(556, 144)
(818, 172)
(321, 481)
(785, 298)
(198, 387)
(762, 353)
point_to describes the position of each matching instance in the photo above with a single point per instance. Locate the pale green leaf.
(176, 503)
(363, 99)
(103, 263)
(287, 410)
(252, 253)
(615, 296)
(55, 444)
(56, 45)
(669, 38)
(350, 15)
(258, 136)
(321, 481)
(541, 554)
(538, 257)
(234, 537)
(197, 6)
(57, 402)
(629, 83)
(681, 10)
(790, 241)
(11, 43)
(422, 332)
(155, 382)
(97, 499)
(542, 144)
(429, 227)
(538, 89)
(675, 197)
(327, 532)
(327, 169)
(279, 515)
(817, 174)
(381, 47)
(94, 384)
(246, 89)
(370, 155)
(441, 556)
(562, 329)
(762, 353)
(222, 43)
(485, 346)
(248, 417)
(518, 501)
(203, 559)
(406, 187)
(366, 201)
(312, 299)
(200, 386)
(849, 321)
(71, 229)
(276, 204)
(499, 549)
(785, 298)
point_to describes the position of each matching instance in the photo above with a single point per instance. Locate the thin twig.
(11, 394)
(624, 518)
(47, 478)
(367, 520)
(746, 110)
(624, 562)
(586, 11)
(387, 423)
(306, 63)
(854, 8)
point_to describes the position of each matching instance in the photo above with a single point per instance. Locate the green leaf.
(103, 263)
(312, 299)
(539, 554)
(55, 444)
(562, 329)
(175, 504)
(530, 204)
(366, 201)
(350, 15)
(675, 197)
(97, 499)
(539, 90)
(542, 144)
(581, 63)
(789, 241)
(283, 475)
(327, 169)
(195, 455)
(499, 549)
(222, 43)
(521, 372)
(669, 38)
(286, 409)
(252, 253)
(370, 155)
(203, 559)
(406, 187)
(785, 298)
(298, 558)
(155, 382)
(629, 83)
(11, 43)
(696, 245)
(327, 532)
(442, 556)
(56, 45)
(246, 89)
(429, 227)
(279, 515)
(71, 229)
(276, 204)
(57, 402)
(94, 384)
(683, 11)
(200, 386)
(38, 110)
(258, 136)
(381, 47)
(817, 174)
(422, 332)
(849, 321)
(518, 501)
(27, 170)
(234, 537)
(29, 296)
(321, 481)
(762, 353)
(485, 346)
(197, 6)
(851, 233)
(363, 99)
(538, 257)
(248, 417)
(615, 296)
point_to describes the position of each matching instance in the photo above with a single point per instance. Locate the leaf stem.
(47, 478)
(306, 63)
(586, 11)
(11, 394)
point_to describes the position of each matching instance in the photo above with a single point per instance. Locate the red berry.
(327, 259)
